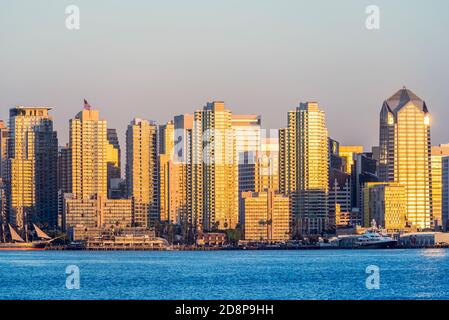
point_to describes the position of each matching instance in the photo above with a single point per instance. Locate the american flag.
(86, 105)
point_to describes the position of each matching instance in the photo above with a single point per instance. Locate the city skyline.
(198, 168)
(121, 131)
(121, 135)
(155, 59)
(223, 159)
(227, 94)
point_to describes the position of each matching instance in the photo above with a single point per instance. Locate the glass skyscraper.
(32, 194)
(405, 153)
(304, 171)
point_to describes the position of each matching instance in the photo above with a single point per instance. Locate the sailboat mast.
(3, 232)
(26, 225)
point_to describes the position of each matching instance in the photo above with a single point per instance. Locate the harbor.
(141, 239)
(226, 274)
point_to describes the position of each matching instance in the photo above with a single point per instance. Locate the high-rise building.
(91, 149)
(247, 140)
(385, 202)
(335, 160)
(375, 152)
(304, 172)
(64, 170)
(64, 179)
(97, 212)
(215, 167)
(117, 189)
(364, 170)
(88, 145)
(405, 153)
(266, 216)
(268, 162)
(167, 139)
(170, 191)
(3, 217)
(4, 136)
(142, 177)
(445, 193)
(348, 152)
(386, 142)
(32, 195)
(183, 163)
(113, 159)
(438, 152)
(339, 196)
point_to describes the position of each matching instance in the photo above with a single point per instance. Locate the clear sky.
(155, 59)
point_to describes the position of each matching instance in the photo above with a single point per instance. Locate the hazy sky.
(155, 59)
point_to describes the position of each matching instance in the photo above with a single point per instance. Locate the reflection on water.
(291, 274)
(434, 253)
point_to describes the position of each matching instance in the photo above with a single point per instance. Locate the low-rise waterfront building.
(423, 239)
(97, 212)
(266, 216)
(215, 239)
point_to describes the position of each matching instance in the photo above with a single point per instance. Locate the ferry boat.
(373, 238)
(17, 242)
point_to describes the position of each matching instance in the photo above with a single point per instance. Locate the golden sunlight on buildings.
(438, 152)
(347, 152)
(266, 216)
(385, 202)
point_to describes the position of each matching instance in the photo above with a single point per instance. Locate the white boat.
(373, 238)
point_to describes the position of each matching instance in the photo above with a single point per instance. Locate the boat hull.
(377, 245)
(24, 246)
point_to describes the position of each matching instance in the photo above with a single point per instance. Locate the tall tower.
(304, 171)
(268, 164)
(216, 169)
(113, 158)
(166, 139)
(64, 170)
(88, 149)
(32, 167)
(142, 170)
(4, 135)
(247, 139)
(183, 161)
(386, 143)
(248, 143)
(405, 152)
(438, 153)
(445, 193)
(167, 173)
